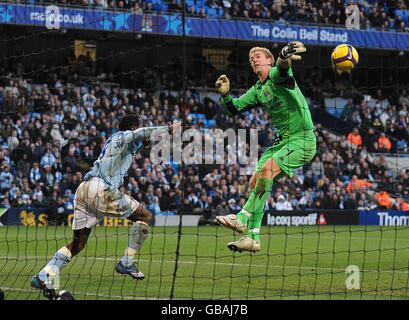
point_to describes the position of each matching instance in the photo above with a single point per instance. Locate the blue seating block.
(404, 14)
(210, 123)
(212, 13)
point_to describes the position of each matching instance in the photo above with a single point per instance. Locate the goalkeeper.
(98, 196)
(295, 144)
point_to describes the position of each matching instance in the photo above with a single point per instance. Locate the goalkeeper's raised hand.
(223, 85)
(292, 50)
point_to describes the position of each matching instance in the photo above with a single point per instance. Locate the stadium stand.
(52, 129)
(380, 15)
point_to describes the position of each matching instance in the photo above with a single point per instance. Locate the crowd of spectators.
(385, 128)
(373, 14)
(53, 127)
(381, 117)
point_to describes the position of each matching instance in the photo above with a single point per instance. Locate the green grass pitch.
(294, 263)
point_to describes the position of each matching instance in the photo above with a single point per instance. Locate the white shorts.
(94, 200)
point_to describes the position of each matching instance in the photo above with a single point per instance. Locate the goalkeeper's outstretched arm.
(289, 53)
(282, 74)
(234, 106)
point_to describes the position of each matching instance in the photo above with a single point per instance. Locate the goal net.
(336, 229)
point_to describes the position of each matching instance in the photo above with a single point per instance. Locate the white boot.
(230, 221)
(244, 244)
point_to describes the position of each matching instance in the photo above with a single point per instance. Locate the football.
(344, 58)
(64, 295)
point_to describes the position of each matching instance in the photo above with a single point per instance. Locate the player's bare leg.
(255, 206)
(79, 241)
(139, 233)
(61, 258)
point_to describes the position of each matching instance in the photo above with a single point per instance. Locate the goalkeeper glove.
(292, 50)
(223, 85)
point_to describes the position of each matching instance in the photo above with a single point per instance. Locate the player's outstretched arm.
(234, 106)
(223, 85)
(142, 133)
(289, 53)
(145, 132)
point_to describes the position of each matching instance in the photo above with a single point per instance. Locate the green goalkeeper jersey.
(281, 97)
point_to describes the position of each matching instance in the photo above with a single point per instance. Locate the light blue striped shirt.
(117, 155)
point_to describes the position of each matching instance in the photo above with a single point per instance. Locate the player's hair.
(128, 121)
(266, 52)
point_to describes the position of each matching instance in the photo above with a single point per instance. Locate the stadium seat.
(210, 123)
(161, 6)
(166, 213)
(190, 3)
(221, 12)
(194, 117)
(212, 13)
(403, 13)
(402, 144)
(198, 7)
(335, 106)
(201, 116)
(164, 7)
(175, 167)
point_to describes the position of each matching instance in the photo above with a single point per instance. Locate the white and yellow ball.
(344, 58)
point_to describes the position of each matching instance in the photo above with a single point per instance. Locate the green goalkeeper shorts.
(290, 153)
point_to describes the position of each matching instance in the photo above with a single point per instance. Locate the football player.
(98, 195)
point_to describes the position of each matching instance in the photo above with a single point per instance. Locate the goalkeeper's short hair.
(128, 121)
(266, 52)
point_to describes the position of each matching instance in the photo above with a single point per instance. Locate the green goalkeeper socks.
(254, 226)
(255, 205)
(243, 216)
(259, 195)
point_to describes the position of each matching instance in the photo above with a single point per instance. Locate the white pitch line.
(290, 236)
(92, 294)
(218, 263)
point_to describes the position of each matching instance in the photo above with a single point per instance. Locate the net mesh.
(334, 243)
